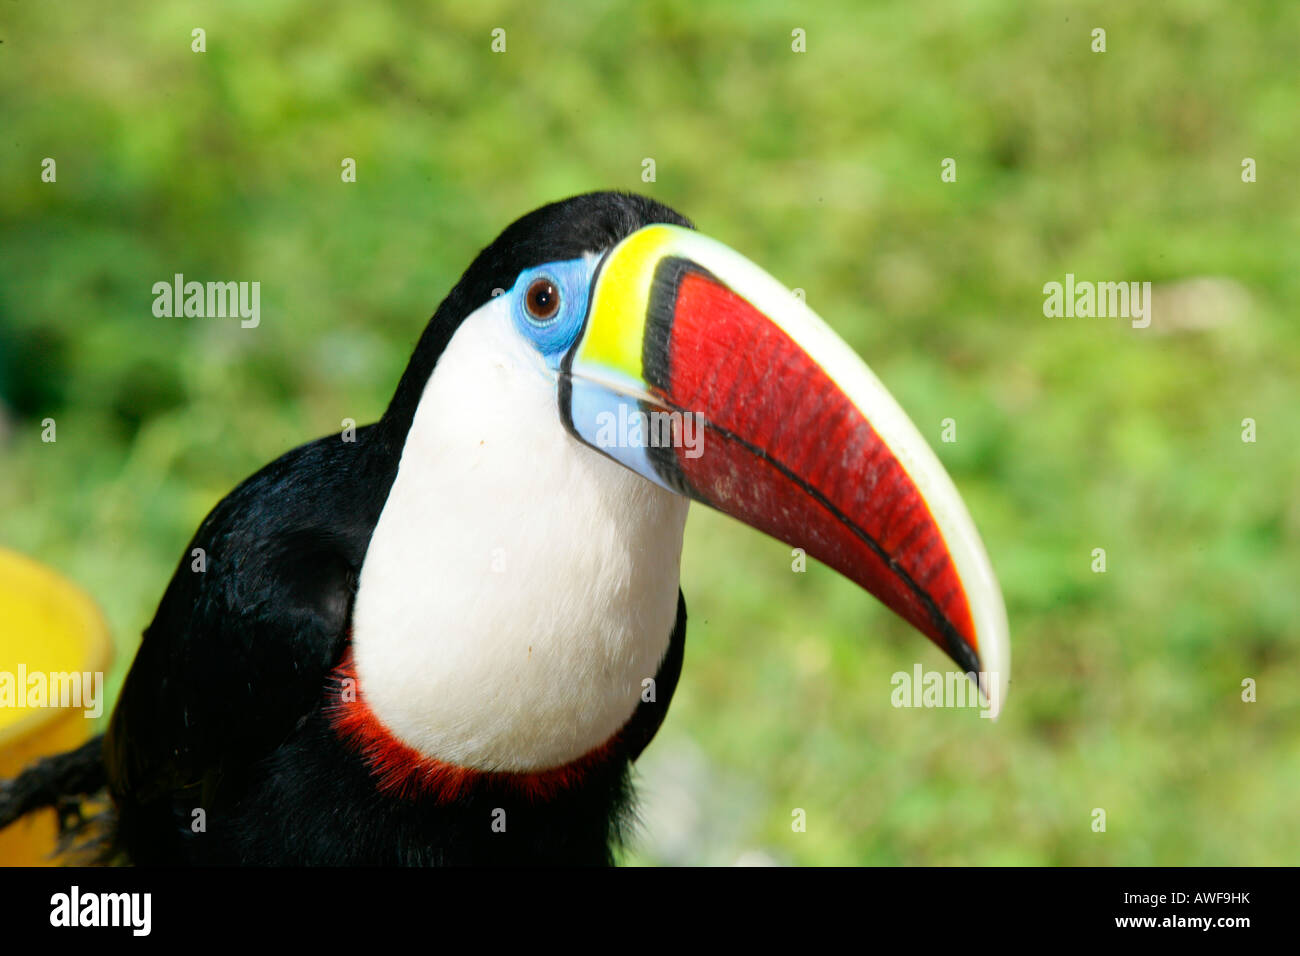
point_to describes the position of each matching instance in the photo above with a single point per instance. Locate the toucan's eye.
(542, 299)
(548, 305)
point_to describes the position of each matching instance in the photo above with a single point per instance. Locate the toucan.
(445, 637)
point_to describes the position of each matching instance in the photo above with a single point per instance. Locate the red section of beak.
(787, 452)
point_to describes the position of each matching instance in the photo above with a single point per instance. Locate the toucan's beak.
(701, 372)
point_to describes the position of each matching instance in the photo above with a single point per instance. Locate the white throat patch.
(519, 586)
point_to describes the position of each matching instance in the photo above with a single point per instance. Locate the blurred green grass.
(824, 168)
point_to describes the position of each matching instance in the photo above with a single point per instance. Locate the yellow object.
(48, 627)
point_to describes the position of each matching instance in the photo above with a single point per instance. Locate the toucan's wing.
(249, 627)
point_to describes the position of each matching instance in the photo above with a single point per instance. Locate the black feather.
(52, 780)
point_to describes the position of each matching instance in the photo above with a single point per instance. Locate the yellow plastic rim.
(47, 624)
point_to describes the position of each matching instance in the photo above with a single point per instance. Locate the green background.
(823, 167)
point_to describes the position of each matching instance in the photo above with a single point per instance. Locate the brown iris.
(542, 299)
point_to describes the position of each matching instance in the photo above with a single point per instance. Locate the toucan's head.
(607, 317)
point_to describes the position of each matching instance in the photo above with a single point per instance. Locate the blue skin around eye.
(553, 338)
